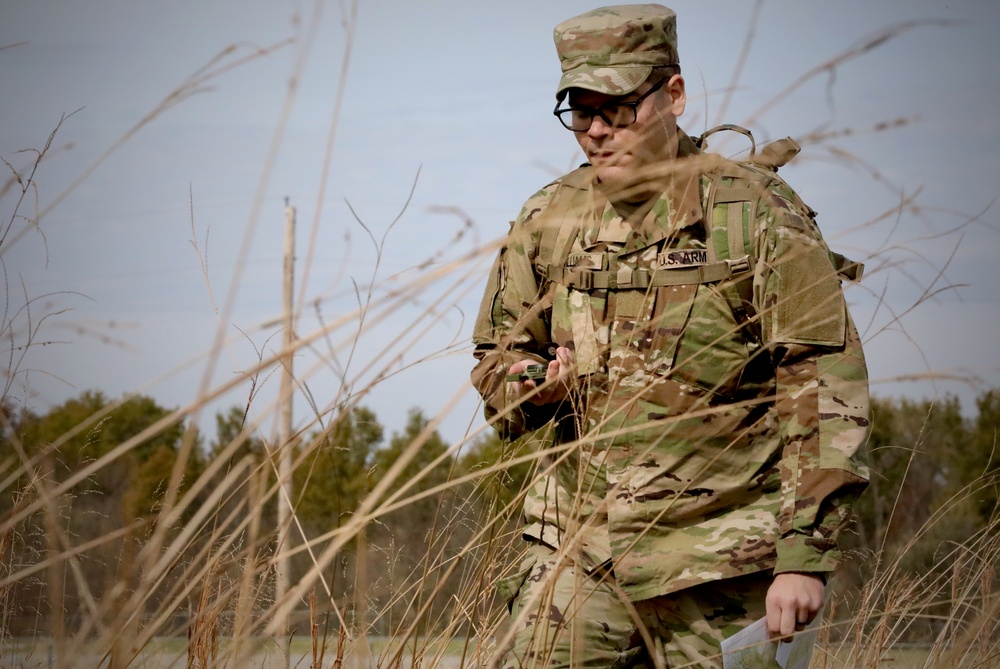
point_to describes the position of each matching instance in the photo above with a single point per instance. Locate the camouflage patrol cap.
(612, 50)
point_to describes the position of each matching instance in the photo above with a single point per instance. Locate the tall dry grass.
(201, 570)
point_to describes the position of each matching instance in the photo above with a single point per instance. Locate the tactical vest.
(729, 209)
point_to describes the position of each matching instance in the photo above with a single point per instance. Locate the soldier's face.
(624, 156)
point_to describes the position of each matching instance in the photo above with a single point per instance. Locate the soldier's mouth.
(605, 156)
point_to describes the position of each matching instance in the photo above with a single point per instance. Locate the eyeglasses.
(615, 114)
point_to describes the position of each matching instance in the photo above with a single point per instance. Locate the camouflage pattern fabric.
(563, 616)
(612, 50)
(689, 451)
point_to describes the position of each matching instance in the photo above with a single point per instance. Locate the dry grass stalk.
(317, 638)
(338, 661)
(203, 632)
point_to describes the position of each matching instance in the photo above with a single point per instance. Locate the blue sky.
(450, 100)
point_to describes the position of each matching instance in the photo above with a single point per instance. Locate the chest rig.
(730, 198)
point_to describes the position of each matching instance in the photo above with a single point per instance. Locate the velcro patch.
(681, 258)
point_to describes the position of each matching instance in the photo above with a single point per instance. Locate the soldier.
(703, 394)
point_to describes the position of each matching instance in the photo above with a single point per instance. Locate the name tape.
(681, 258)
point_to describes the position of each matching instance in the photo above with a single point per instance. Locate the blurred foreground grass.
(164, 652)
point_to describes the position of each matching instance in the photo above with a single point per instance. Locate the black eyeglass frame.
(599, 111)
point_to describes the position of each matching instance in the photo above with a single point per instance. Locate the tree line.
(117, 506)
(934, 487)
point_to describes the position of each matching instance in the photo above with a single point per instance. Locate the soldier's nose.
(598, 127)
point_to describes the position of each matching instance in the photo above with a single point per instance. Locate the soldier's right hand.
(553, 388)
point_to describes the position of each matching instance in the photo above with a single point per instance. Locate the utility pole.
(285, 434)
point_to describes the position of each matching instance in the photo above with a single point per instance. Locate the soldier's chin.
(625, 183)
(614, 176)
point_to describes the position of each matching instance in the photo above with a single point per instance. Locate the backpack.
(730, 208)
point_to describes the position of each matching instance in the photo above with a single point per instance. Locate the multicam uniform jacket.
(692, 447)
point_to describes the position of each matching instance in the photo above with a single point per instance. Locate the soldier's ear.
(678, 95)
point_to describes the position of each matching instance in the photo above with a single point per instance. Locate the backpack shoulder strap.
(558, 231)
(730, 210)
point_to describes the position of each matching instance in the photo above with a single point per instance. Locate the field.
(207, 532)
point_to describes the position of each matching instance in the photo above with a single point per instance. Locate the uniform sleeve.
(821, 387)
(512, 324)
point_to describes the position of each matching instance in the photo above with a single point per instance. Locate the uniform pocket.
(671, 314)
(510, 587)
(713, 351)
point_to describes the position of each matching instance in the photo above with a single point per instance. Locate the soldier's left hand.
(792, 602)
